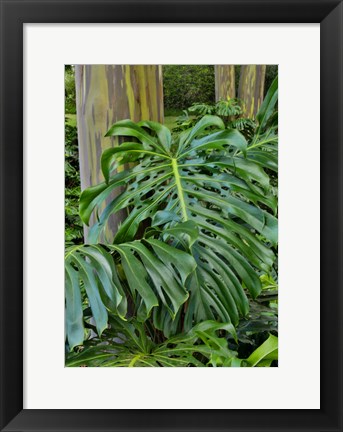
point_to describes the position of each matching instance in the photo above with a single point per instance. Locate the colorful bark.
(251, 88)
(106, 94)
(225, 82)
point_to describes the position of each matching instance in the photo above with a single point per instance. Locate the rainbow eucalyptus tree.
(225, 82)
(106, 94)
(251, 88)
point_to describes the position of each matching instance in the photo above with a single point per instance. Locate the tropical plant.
(263, 356)
(127, 343)
(201, 229)
(107, 284)
(222, 108)
(230, 111)
(261, 320)
(263, 146)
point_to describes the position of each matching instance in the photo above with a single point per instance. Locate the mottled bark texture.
(225, 82)
(251, 88)
(106, 94)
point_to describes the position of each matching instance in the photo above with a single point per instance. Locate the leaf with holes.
(205, 177)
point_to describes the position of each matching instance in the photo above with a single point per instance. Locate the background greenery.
(184, 85)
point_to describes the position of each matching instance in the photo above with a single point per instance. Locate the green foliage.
(128, 344)
(204, 178)
(107, 274)
(73, 224)
(261, 320)
(271, 74)
(195, 256)
(222, 108)
(185, 84)
(69, 90)
(265, 354)
(229, 111)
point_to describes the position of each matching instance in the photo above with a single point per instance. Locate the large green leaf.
(264, 354)
(149, 272)
(204, 177)
(91, 267)
(143, 270)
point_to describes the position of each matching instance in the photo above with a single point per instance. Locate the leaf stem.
(135, 359)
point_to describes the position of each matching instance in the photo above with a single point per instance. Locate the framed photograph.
(197, 195)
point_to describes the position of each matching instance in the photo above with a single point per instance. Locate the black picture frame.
(329, 13)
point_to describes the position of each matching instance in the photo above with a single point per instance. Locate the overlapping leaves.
(145, 271)
(128, 345)
(263, 148)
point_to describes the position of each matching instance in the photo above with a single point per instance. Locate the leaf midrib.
(179, 189)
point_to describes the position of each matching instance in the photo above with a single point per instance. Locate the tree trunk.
(106, 94)
(251, 88)
(225, 82)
